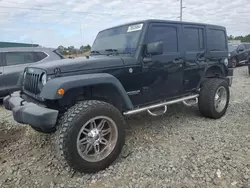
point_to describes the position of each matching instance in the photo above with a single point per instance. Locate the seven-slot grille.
(32, 81)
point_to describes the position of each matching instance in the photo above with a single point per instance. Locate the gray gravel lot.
(179, 149)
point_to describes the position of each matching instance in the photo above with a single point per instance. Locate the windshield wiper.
(112, 51)
(95, 52)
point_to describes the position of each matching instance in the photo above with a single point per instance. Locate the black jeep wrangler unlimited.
(132, 68)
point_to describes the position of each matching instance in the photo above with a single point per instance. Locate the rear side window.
(217, 40)
(39, 56)
(17, 58)
(165, 34)
(194, 39)
(247, 46)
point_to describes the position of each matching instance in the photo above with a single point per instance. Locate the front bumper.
(29, 113)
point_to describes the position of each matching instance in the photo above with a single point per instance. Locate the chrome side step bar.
(190, 104)
(154, 114)
(138, 110)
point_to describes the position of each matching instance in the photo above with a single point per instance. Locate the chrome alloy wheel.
(220, 99)
(97, 138)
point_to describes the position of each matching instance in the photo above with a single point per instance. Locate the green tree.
(84, 49)
(71, 50)
(246, 38)
(241, 38)
(231, 37)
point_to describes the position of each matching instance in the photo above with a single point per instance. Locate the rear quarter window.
(39, 56)
(57, 53)
(217, 40)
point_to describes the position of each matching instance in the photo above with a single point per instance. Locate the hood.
(81, 63)
(233, 53)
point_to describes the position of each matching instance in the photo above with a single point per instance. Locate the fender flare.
(222, 67)
(50, 89)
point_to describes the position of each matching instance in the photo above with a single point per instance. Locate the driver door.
(242, 53)
(163, 75)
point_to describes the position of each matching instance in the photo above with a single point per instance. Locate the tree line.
(245, 38)
(70, 50)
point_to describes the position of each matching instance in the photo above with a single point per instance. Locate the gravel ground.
(179, 149)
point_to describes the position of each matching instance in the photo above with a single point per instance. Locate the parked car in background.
(238, 54)
(248, 65)
(14, 60)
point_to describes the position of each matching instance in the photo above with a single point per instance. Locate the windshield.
(232, 47)
(122, 39)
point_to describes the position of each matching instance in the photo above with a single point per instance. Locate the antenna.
(181, 8)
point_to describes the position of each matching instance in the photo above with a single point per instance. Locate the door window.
(16, 58)
(247, 46)
(241, 47)
(194, 39)
(165, 34)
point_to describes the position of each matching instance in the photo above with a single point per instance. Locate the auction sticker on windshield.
(136, 27)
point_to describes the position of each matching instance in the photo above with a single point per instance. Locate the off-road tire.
(206, 101)
(69, 127)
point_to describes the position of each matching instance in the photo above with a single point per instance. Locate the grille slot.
(31, 82)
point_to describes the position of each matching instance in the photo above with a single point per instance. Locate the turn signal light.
(60, 91)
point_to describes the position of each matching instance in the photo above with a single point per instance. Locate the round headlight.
(24, 76)
(44, 79)
(226, 62)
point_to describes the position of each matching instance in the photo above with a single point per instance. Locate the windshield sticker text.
(136, 27)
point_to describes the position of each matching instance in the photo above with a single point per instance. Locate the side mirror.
(155, 48)
(240, 49)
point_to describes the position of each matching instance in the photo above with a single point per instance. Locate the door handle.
(201, 56)
(178, 60)
(1, 72)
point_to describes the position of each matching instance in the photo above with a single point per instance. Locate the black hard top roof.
(166, 21)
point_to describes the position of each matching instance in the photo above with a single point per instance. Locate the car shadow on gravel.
(8, 137)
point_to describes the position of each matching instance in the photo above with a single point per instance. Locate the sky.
(52, 23)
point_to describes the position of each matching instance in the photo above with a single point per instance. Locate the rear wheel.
(234, 62)
(214, 98)
(91, 136)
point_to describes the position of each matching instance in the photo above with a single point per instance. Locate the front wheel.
(91, 136)
(214, 98)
